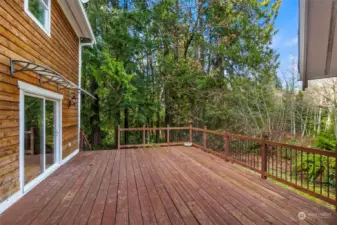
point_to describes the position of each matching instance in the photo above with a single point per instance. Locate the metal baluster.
(328, 176)
(321, 178)
(301, 168)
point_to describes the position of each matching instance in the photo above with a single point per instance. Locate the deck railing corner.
(309, 170)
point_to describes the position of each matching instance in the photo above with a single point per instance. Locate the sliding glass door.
(40, 136)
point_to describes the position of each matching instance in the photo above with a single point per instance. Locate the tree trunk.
(176, 41)
(118, 122)
(126, 125)
(95, 119)
(202, 45)
(167, 108)
(115, 4)
(158, 121)
(209, 52)
(125, 4)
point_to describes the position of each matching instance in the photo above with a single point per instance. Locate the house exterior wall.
(22, 39)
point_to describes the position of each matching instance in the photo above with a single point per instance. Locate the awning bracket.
(50, 75)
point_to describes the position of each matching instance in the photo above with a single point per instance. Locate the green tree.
(188, 61)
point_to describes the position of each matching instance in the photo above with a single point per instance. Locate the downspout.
(79, 83)
(91, 43)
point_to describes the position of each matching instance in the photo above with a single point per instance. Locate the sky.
(285, 41)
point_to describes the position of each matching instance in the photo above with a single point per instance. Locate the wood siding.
(22, 39)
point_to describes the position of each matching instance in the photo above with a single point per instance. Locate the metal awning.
(46, 75)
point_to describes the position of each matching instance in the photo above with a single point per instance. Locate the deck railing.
(142, 137)
(309, 170)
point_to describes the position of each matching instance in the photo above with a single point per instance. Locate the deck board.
(148, 214)
(171, 210)
(61, 209)
(157, 205)
(76, 204)
(270, 194)
(186, 214)
(109, 214)
(86, 207)
(98, 208)
(216, 214)
(171, 185)
(228, 191)
(194, 207)
(135, 215)
(28, 204)
(52, 204)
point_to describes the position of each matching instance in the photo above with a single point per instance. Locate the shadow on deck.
(169, 185)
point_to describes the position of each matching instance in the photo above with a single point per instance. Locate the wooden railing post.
(81, 139)
(205, 137)
(190, 132)
(168, 134)
(144, 141)
(118, 137)
(264, 152)
(226, 145)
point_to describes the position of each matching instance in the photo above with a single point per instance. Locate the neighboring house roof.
(317, 29)
(75, 13)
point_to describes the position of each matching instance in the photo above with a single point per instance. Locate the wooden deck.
(172, 185)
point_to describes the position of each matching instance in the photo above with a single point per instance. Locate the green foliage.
(115, 92)
(326, 140)
(159, 63)
(316, 168)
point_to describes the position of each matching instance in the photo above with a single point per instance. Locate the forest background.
(211, 63)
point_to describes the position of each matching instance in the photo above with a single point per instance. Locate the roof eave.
(77, 16)
(87, 23)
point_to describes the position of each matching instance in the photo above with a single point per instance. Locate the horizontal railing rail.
(312, 171)
(154, 128)
(147, 136)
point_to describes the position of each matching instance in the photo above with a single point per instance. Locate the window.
(39, 11)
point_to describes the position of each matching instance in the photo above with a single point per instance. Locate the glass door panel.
(50, 133)
(34, 141)
(40, 139)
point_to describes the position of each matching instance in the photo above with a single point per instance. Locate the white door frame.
(34, 91)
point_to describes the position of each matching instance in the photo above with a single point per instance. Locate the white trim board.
(28, 88)
(15, 197)
(10, 201)
(28, 187)
(46, 28)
